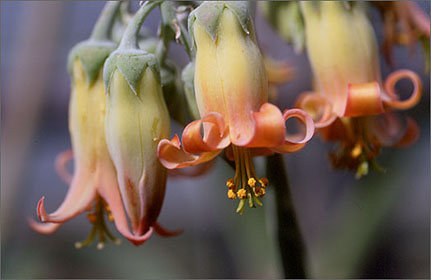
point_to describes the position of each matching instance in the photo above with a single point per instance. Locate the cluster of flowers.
(119, 121)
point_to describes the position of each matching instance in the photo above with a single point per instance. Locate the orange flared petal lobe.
(81, 193)
(61, 162)
(393, 101)
(363, 99)
(44, 228)
(411, 134)
(110, 193)
(388, 128)
(269, 128)
(318, 107)
(195, 171)
(296, 142)
(172, 156)
(160, 230)
(216, 135)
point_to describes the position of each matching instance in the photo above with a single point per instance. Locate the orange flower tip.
(231, 194)
(160, 230)
(251, 182)
(139, 240)
(43, 228)
(41, 213)
(242, 194)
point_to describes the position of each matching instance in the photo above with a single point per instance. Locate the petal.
(278, 72)
(61, 162)
(269, 129)
(172, 156)
(192, 171)
(81, 192)
(44, 228)
(164, 232)
(294, 143)
(109, 191)
(411, 134)
(388, 128)
(216, 135)
(318, 107)
(363, 99)
(394, 101)
(336, 131)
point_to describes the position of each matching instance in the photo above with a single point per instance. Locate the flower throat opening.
(244, 184)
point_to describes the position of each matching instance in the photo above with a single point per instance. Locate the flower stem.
(102, 28)
(291, 244)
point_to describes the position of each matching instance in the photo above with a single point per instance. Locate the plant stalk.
(290, 241)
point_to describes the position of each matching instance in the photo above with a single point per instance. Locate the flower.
(349, 93)
(404, 22)
(94, 185)
(231, 92)
(135, 122)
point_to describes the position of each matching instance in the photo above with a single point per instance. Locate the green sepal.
(92, 55)
(187, 76)
(208, 15)
(132, 63)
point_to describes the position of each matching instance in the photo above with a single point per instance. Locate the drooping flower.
(231, 87)
(136, 120)
(405, 23)
(349, 94)
(93, 185)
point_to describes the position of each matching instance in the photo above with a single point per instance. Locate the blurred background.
(376, 227)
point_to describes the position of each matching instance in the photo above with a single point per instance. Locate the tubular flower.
(349, 93)
(231, 92)
(404, 23)
(136, 120)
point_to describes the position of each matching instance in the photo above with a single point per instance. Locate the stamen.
(242, 194)
(356, 151)
(99, 226)
(230, 183)
(252, 182)
(231, 194)
(264, 182)
(259, 192)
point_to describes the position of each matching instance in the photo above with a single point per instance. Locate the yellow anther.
(231, 194)
(259, 192)
(92, 218)
(252, 182)
(110, 217)
(230, 183)
(242, 193)
(264, 182)
(356, 151)
(108, 208)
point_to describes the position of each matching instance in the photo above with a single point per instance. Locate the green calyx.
(132, 63)
(93, 52)
(209, 13)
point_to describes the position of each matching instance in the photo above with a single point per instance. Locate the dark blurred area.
(376, 227)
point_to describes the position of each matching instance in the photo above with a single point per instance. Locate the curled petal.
(164, 232)
(79, 196)
(318, 107)
(394, 101)
(269, 127)
(411, 134)
(61, 162)
(363, 99)
(172, 156)
(44, 228)
(216, 135)
(109, 191)
(294, 143)
(388, 128)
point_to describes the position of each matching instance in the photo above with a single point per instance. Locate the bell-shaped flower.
(136, 120)
(343, 54)
(231, 91)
